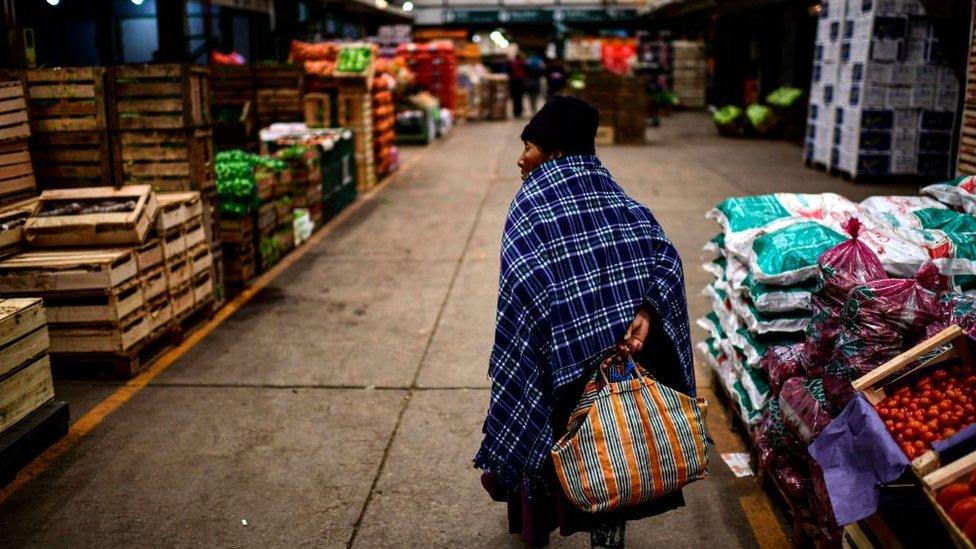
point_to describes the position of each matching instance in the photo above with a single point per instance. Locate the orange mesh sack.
(629, 442)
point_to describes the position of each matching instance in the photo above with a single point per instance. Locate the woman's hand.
(633, 340)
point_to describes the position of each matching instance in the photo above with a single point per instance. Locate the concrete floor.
(343, 404)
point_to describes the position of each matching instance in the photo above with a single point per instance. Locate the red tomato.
(951, 494)
(921, 446)
(963, 509)
(909, 433)
(970, 529)
(940, 375)
(929, 436)
(947, 432)
(909, 450)
(972, 482)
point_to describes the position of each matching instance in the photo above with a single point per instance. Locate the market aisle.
(343, 404)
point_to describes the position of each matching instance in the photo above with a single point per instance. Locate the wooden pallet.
(130, 363)
(16, 169)
(52, 226)
(56, 272)
(72, 159)
(67, 99)
(13, 111)
(111, 308)
(31, 436)
(172, 160)
(159, 97)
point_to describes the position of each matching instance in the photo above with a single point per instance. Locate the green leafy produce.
(727, 115)
(761, 117)
(784, 97)
(354, 59)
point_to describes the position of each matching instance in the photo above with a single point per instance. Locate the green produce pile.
(664, 98)
(354, 59)
(784, 97)
(727, 115)
(236, 188)
(760, 117)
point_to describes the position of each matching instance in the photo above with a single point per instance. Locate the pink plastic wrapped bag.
(772, 438)
(804, 408)
(781, 362)
(846, 265)
(794, 481)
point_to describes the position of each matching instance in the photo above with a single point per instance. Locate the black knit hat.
(564, 124)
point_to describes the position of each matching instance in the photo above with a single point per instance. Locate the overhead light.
(137, 2)
(54, 2)
(381, 4)
(408, 6)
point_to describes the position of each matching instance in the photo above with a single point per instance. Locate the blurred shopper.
(516, 83)
(555, 77)
(534, 69)
(587, 276)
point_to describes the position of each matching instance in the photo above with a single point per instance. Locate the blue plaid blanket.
(578, 259)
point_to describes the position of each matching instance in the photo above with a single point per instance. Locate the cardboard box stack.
(883, 99)
(688, 72)
(496, 99)
(622, 102)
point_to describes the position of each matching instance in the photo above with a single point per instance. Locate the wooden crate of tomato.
(927, 393)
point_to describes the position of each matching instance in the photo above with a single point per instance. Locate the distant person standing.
(534, 69)
(516, 83)
(555, 77)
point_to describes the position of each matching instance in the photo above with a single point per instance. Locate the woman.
(586, 273)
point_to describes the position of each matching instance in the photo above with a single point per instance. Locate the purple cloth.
(856, 453)
(958, 445)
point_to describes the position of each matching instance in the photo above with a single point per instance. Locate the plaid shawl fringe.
(578, 259)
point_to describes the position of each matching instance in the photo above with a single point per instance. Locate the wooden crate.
(149, 255)
(19, 319)
(72, 159)
(65, 271)
(239, 267)
(26, 390)
(267, 216)
(57, 223)
(13, 111)
(67, 99)
(16, 170)
(266, 181)
(237, 231)
(109, 338)
(159, 97)
(283, 213)
(285, 238)
(201, 259)
(182, 299)
(160, 313)
(172, 214)
(194, 233)
(110, 308)
(203, 289)
(958, 471)
(278, 76)
(231, 84)
(174, 160)
(153, 282)
(178, 271)
(211, 216)
(13, 217)
(318, 110)
(279, 105)
(174, 244)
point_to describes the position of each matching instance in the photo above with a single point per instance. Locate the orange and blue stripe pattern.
(629, 442)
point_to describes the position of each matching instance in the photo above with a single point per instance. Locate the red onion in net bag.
(781, 362)
(846, 265)
(804, 408)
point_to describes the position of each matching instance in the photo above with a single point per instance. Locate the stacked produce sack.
(812, 292)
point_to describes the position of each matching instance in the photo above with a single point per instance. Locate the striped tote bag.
(629, 442)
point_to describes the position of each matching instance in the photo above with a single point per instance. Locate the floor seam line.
(413, 384)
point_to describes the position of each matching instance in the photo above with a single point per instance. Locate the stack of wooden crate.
(233, 107)
(966, 163)
(355, 111)
(266, 217)
(111, 289)
(30, 418)
(16, 169)
(278, 91)
(284, 197)
(237, 238)
(69, 113)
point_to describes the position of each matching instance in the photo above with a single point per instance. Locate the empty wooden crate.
(96, 216)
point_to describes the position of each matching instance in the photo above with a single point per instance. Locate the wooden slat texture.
(110, 308)
(64, 159)
(100, 339)
(154, 282)
(155, 97)
(25, 391)
(61, 99)
(177, 160)
(18, 353)
(64, 271)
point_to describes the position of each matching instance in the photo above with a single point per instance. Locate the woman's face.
(532, 157)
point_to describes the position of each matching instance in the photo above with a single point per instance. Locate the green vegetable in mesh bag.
(760, 117)
(789, 255)
(354, 59)
(727, 115)
(784, 97)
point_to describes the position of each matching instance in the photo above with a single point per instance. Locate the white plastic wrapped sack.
(958, 193)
